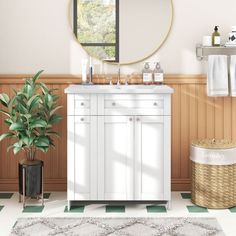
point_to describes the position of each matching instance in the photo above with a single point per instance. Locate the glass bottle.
(216, 37)
(147, 74)
(158, 75)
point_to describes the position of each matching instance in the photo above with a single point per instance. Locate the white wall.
(35, 34)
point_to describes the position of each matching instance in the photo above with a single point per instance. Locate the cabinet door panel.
(85, 157)
(115, 158)
(150, 157)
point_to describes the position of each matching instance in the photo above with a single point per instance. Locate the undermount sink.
(138, 88)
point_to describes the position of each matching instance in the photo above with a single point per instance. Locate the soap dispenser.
(158, 75)
(147, 74)
(216, 37)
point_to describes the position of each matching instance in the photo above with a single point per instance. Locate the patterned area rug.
(117, 226)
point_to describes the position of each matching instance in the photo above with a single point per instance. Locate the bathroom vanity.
(119, 143)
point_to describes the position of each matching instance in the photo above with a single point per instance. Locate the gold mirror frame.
(125, 63)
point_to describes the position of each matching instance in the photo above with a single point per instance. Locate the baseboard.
(49, 185)
(180, 184)
(60, 184)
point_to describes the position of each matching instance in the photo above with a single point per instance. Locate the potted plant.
(30, 115)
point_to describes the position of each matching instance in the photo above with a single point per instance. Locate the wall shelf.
(203, 52)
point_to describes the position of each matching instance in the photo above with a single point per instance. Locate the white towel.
(217, 76)
(233, 75)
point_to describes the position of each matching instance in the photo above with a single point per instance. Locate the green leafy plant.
(30, 115)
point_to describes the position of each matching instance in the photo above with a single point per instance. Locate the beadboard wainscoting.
(194, 115)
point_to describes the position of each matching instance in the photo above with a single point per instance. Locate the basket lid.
(214, 143)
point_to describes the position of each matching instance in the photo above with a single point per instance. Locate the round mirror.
(122, 31)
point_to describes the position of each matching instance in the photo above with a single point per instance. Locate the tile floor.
(55, 206)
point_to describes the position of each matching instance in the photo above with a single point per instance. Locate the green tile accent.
(156, 209)
(1, 207)
(75, 209)
(197, 209)
(186, 195)
(33, 209)
(232, 209)
(6, 195)
(115, 209)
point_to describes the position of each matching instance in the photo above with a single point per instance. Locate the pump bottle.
(216, 37)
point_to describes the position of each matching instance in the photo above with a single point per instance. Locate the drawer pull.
(138, 119)
(130, 119)
(113, 104)
(82, 119)
(82, 104)
(155, 104)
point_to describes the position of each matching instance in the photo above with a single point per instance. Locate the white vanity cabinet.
(115, 158)
(82, 157)
(152, 157)
(118, 145)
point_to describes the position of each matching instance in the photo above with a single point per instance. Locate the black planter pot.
(33, 172)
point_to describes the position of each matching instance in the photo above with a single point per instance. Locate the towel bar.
(203, 52)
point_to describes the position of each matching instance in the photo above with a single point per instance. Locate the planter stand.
(30, 180)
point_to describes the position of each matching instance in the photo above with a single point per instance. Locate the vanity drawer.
(79, 104)
(136, 104)
(134, 97)
(134, 107)
(82, 107)
(153, 104)
(82, 104)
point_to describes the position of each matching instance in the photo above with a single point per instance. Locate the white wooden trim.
(70, 104)
(167, 158)
(130, 159)
(93, 158)
(100, 142)
(100, 98)
(94, 105)
(70, 158)
(138, 158)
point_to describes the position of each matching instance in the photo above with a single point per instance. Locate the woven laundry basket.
(213, 173)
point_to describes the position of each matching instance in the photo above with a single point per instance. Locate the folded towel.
(217, 76)
(233, 75)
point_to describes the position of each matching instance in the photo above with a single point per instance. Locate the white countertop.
(119, 89)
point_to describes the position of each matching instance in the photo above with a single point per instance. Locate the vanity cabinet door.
(152, 158)
(115, 157)
(82, 158)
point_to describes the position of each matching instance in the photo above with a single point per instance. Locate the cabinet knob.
(113, 104)
(82, 119)
(130, 119)
(155, 104)
(82, 104)
(137, 119)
